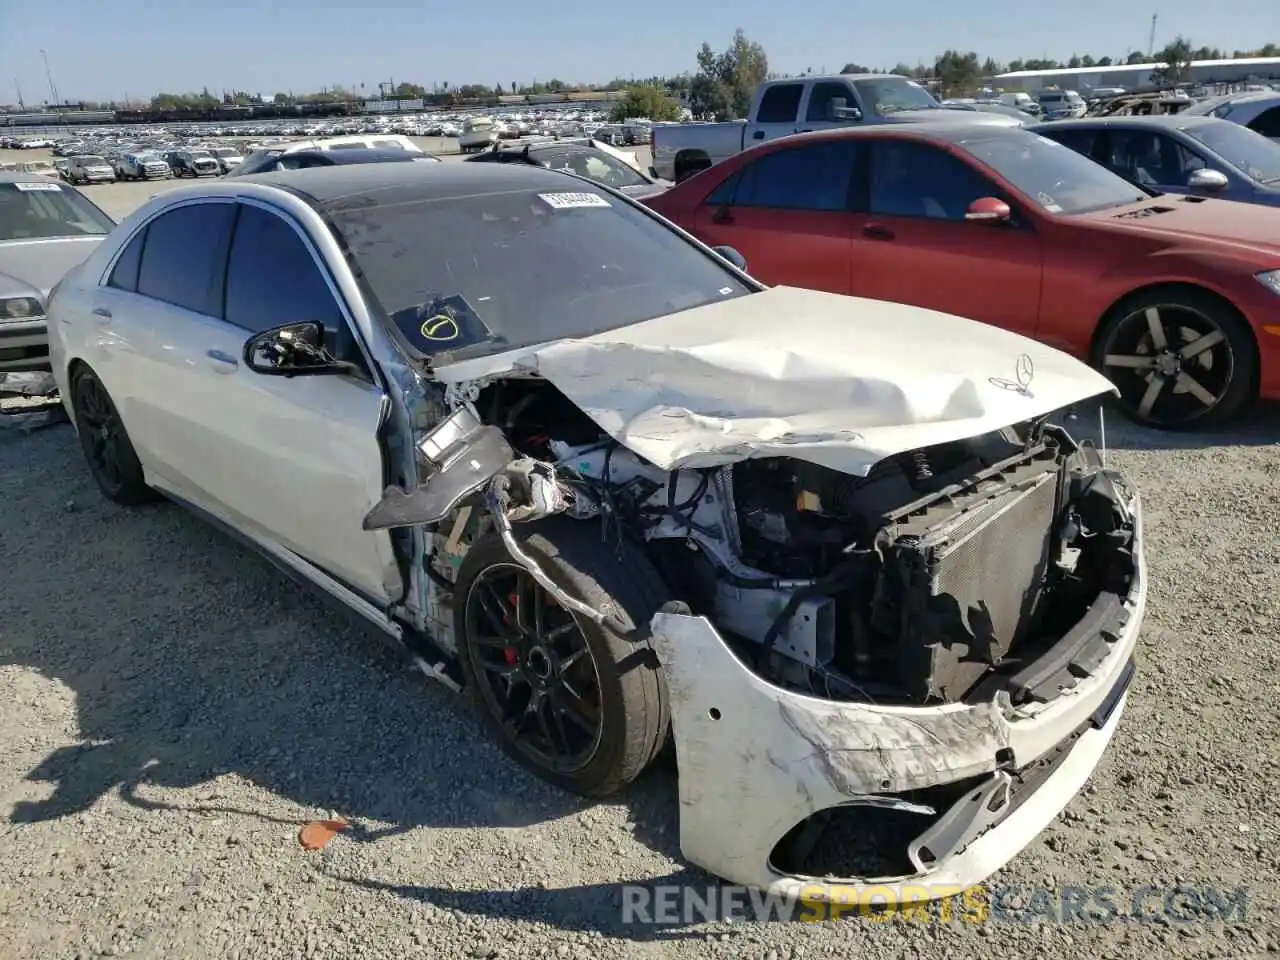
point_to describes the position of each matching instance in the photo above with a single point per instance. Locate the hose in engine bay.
(823, 586)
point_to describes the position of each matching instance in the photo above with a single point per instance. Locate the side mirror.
(838, 109)
(733, 256)
(1210, 181)
(292, 350)
(988, 210)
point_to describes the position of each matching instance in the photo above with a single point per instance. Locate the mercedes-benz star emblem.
(1024, 371)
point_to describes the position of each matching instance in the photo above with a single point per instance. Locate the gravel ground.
(171, 709)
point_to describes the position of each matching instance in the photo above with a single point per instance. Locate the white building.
(1134, 76)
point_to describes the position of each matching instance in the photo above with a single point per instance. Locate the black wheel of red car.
(580, 704)
(1179, 360)
(107, 449)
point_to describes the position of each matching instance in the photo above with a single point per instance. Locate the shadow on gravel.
(191, 658)
(589, 908)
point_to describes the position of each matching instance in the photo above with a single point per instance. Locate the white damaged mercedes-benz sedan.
(851, 558)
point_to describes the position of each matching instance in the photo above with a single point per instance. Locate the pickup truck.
(781, 108)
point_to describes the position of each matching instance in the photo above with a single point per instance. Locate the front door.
(777, 114)
(916, 247)
(788, 213)
(292, 461)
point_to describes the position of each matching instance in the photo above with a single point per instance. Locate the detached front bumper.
(755, 760)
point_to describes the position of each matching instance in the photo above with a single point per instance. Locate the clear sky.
(104, 50)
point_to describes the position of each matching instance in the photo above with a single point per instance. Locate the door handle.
(804, 130)
(876, 231)
(225, 362)
(758, 135)
(102, 313)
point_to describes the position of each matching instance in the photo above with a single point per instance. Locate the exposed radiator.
(963, 580)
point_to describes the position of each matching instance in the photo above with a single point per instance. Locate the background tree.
(1176, 57)
(645, 101)
(957, 72)
(855, 68)
(409, 91)
(725, 83)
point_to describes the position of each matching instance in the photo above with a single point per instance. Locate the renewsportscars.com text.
(937, 904)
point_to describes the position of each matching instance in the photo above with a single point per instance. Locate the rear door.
(777, 113)
(916, 247)
(789, 213)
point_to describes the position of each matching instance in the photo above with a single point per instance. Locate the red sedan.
(1175, 298)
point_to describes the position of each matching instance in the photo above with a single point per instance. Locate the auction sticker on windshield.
(27, 187)
(573, 201)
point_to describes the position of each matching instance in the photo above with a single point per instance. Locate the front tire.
(1181, 359)
(108, 452)
(580, 704)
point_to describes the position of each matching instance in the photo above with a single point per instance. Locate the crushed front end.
(898, 680)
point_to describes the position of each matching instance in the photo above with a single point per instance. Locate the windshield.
(1052, 97)
(91, 159)
(529, 266)
(1249, 152)
(200, 155)
(40, 211)
(1052, 176)
(594, 165)
(882, 95)
(225, 152)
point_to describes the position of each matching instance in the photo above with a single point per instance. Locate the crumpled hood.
(39, 264)
(839, 381)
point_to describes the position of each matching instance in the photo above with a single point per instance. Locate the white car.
(847, 554)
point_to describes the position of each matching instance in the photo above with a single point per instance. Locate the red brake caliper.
(511, 654)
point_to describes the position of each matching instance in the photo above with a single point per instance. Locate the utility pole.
(53, 91)
(1151, 40)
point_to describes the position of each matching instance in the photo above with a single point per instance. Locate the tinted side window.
(725, 192)
(1267, 123)
(918, 180)
(272, 278)
(1150, 159)
(186, 256)
(125, 274)
(820, 98)
(815, 177)
(1081, 141)
(780, 103)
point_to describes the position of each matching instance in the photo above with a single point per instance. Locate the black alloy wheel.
(1179, 362)
(107, 449)
(534, 669)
